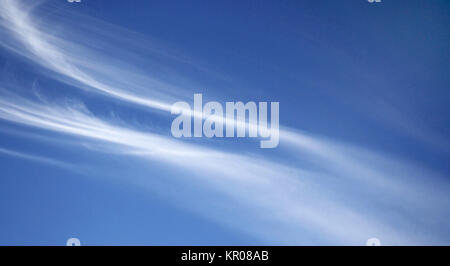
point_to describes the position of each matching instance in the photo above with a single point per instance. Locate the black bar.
(229, 255)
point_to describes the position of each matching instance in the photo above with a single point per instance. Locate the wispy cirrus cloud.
(284, 194)
(36, 158)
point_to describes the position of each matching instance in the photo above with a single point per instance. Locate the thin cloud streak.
(36, 158)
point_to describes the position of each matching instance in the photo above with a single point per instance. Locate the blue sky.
(86, 149)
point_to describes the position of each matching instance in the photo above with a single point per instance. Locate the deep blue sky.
(367, 82)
